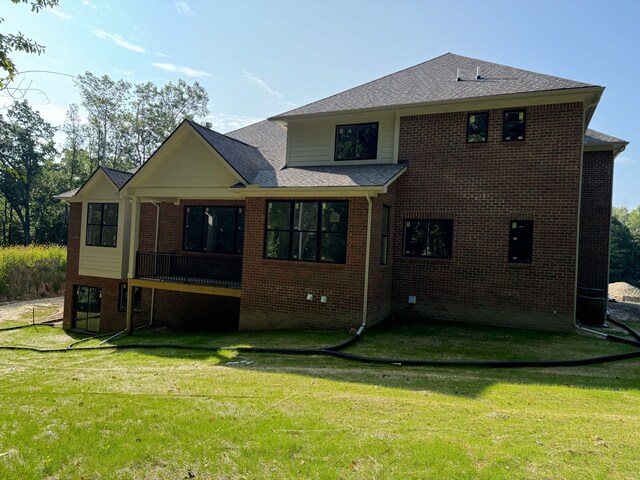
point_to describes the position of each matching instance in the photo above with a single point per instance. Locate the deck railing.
(203, 270)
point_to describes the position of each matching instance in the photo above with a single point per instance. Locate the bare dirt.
(22, 310)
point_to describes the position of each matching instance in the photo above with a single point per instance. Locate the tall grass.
(32, 271)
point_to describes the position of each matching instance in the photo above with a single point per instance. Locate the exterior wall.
(381, 276)
(110, 318)
(190, 164)
(274, 291)
(595, 220)
(109, 262)
(312, 142)
(482, 187)
(186, 311)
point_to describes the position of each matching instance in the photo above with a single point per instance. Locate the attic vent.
(458, 78)
(208, 125)
(478, 77)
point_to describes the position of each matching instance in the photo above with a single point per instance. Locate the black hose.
(47, 323)
(365, 359)
(630, 330)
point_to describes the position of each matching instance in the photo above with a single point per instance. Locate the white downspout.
(367, 255)
(155, 250)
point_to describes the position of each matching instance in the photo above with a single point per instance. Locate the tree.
(26, 142)
(10, 43)
(624, 265)
(127, 122)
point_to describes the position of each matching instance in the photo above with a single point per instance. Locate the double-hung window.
(314, 231)
(213, 229)
(102, 224)
(428, 238)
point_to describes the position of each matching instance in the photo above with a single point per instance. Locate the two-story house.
(456, 189)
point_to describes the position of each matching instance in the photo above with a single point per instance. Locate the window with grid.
(313, 231)
(102, 224)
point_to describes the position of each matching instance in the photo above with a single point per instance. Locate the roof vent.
(478, 77)
(208, 125)
(458, 78)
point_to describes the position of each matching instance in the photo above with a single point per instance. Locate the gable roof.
(117, 177)
(435, 80)
(268, 137)
(246, 160)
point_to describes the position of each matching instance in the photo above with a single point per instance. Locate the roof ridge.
(195, 124)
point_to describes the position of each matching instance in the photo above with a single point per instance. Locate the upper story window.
(477, 127)
(213, 229)
(357, 141)
(102, 224)
(315, 231)
(428, 238)
(514, 125)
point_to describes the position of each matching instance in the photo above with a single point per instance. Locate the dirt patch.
(45, 309)
(623, 292)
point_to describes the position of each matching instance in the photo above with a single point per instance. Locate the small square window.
(357, 142)
(477, 127)
(514, 125)
(520, 241)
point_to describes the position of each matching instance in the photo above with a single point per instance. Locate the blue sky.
(260, 58)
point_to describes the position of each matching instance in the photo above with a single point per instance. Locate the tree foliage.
(624, 265)
(10, 43)
(26, 145)
(127, 122)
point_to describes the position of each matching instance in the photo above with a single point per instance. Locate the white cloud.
(258, 82)
(86, 3)
(226, 122)
(118, 40)
(189, 72)
(54, 114)
(624, 160)
(163, 55)
(183, 8)
(59, 14)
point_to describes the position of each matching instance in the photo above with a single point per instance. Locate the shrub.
(32, 271)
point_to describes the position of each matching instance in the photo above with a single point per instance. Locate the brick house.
(456, 190)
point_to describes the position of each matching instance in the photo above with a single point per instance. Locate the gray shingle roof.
(593, 137)
(245, 159)
(270, 139)
(334, 176)
(118, 177)
(435, 80)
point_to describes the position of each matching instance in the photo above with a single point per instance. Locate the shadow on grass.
(415, 341)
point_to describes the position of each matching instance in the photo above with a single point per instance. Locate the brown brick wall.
(110, 318)
(482, 187)
(274, 291)
(595, 220)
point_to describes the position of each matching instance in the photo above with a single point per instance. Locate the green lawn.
(167, 413)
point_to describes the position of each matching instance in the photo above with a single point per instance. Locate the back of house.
(455, 190)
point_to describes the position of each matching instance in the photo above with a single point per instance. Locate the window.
(86, 308)
(384, 237)
(477, 127)
(357, 142)
(102, 224)
(213, 229)
(428, 238)
(137, 298)
(310, 231)
(514, 125)
(520, 241)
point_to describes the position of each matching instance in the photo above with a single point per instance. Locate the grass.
(32, 271)
(182, 414)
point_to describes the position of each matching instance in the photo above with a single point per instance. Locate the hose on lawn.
(332, 352)
(46, 323)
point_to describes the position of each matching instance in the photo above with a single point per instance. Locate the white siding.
(312, 142)
(191, 165)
